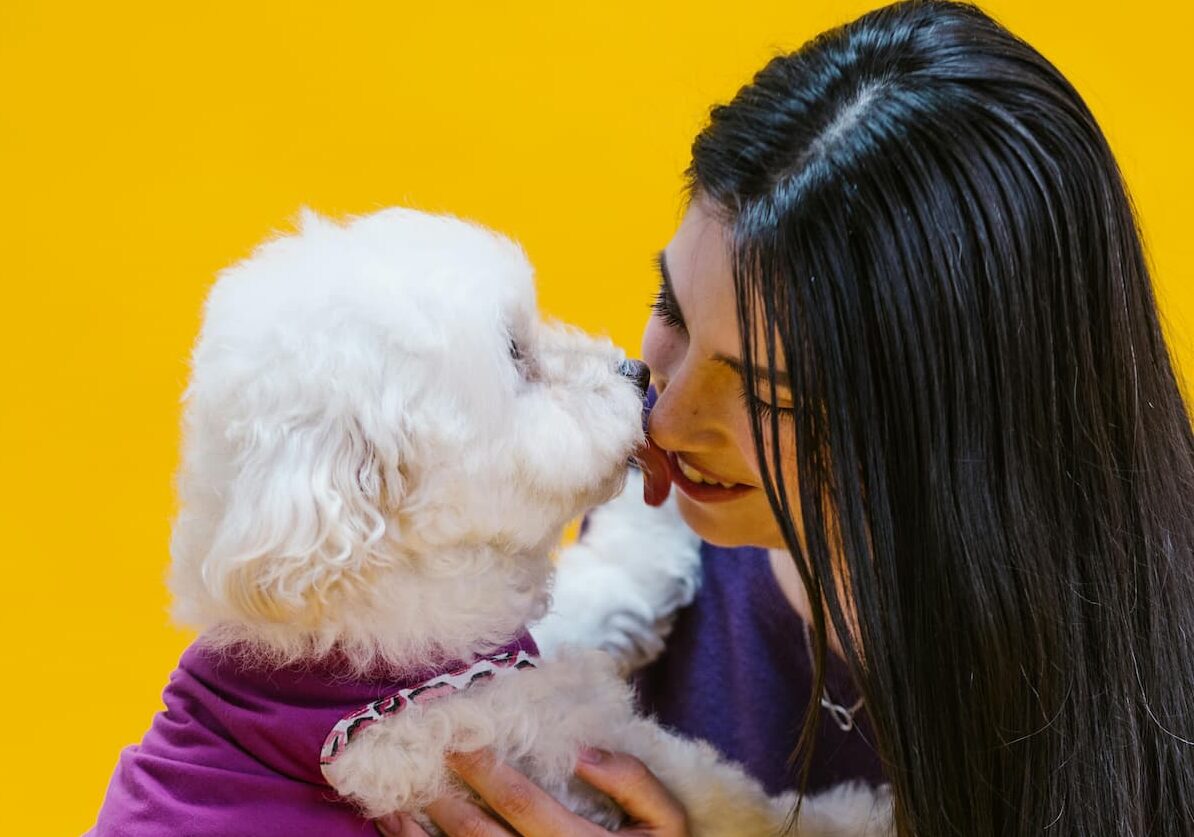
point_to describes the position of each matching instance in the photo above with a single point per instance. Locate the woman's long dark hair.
(931, 234)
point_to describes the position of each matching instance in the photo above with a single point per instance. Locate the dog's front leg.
(619, 587)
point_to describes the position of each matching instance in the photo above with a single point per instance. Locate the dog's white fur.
(368, 467)
(364, 465)
(620, 586)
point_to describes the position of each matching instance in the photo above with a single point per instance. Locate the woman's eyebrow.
(760, 372)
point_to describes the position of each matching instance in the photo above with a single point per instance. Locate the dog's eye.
(523, 362)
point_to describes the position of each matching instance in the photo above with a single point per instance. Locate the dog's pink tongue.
(657, 479)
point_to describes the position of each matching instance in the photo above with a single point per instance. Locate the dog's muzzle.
(648, 457)
(638, 372)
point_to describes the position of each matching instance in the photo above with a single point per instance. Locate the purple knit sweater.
(736, 673)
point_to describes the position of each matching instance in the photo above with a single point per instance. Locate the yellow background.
(144, 146)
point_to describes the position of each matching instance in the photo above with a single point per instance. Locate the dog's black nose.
(638, 372)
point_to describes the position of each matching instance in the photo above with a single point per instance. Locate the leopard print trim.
(486, 668)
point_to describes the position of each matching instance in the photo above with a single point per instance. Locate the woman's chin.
(746, 521)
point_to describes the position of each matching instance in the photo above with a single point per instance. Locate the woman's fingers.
(399, 825)
(643, 797)
(528, 810)
(455, 817)
(459, 818)
(515, 798)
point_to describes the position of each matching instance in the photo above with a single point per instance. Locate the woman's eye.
(765, 410)
(667, 309)
(515, 350)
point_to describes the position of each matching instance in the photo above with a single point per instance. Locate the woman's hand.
(653, 811)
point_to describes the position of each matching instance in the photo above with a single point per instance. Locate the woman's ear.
(304, 516)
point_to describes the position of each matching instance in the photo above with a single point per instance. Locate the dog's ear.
(304, 516)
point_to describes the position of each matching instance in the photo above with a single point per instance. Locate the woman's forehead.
(697, 266)
(697, 262)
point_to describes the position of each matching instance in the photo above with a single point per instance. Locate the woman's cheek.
(786, 459)
(662, 349)
(744, 440)
(787, 454)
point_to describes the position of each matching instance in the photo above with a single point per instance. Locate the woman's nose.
(684, 416)
(638, 372)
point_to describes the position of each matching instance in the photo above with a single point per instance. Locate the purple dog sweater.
(237, 750)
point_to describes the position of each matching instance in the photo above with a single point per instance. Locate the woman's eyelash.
(765, 410)
(667, 309)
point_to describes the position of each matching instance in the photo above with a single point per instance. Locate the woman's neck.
(783, 567)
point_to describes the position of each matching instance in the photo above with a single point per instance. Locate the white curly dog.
(382, 446)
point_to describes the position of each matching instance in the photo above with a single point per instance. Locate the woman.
(908, 315)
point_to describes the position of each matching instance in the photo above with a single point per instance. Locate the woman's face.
(700, 418)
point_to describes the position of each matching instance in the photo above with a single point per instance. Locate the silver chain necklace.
(843, 717)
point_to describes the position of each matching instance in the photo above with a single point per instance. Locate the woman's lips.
(703, 492)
